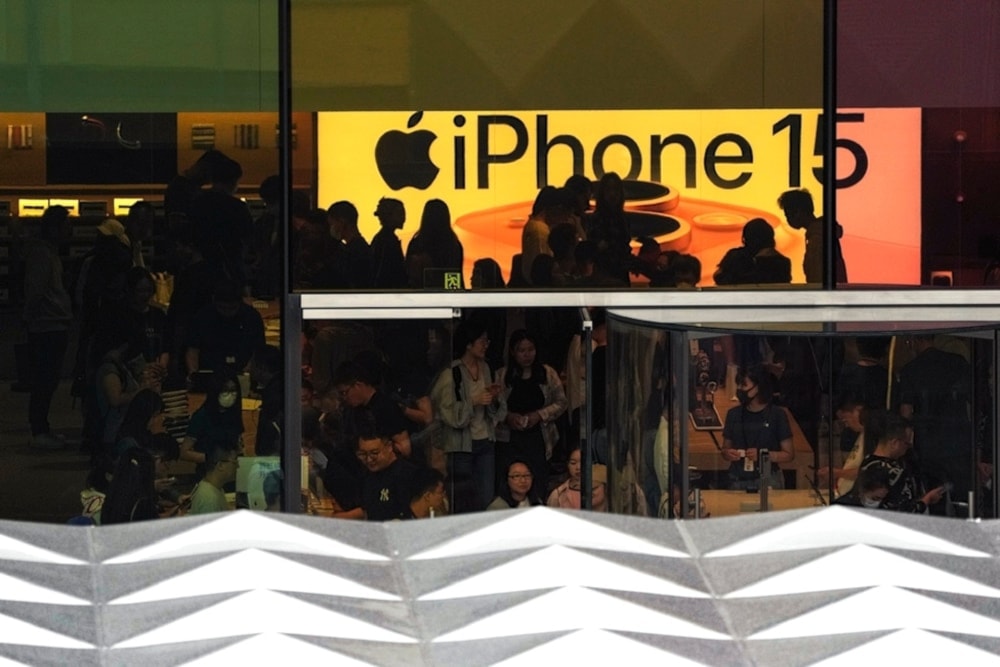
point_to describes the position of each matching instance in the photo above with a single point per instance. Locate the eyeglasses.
(345, 390)
(370, 456)
(520, 476)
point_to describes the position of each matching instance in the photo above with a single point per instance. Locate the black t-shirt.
(381, 413)
(226, 342)
(755, 430)
(386, 494)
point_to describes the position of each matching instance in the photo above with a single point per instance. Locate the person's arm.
(906, 410)
(556, 401)
(357, 514)
(729, 451)
(191, 359)
(455, 414)
(422, 412)
(188, 452)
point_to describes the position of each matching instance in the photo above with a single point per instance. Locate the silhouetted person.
(388, 265)
(318, 258)
(266, 252)
(224, 221)
(609, 229)
(434, 246)
(800, 214)
(139, 227)
(562, 240)
(756, 261)
(184, 187)
(357, 252)
(48, 315)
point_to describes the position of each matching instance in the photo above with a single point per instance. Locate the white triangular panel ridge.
(596, 647)
(19, 632)
(14, 549)
(575, 608)
(862, 566)
(839, 527)
(244, 529)
(911, 647)
(274, 648)
(558, 566)
(19, 590)
(250, 570)
(882, 608)
(260, 612)
(7, 662)
(541, 527)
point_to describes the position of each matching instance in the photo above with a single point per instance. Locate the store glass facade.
(686, 120)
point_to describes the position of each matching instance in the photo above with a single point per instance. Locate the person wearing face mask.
(869, 491)
(219, 419)
(754, 426)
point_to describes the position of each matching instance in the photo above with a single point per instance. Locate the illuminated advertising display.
(700, 174)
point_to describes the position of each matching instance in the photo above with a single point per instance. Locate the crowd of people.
(506, 400)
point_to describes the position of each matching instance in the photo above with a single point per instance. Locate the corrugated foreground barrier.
(525, 587)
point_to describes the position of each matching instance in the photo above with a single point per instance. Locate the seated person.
(385, 489)
(427, 497)
(132, 494)
(220, 418)
(756, 261)
(567, 494)
(143, 425)
(220, 469)
(870, 489)
(515, 489)
(895, 439)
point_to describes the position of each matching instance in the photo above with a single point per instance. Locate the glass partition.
(914, 98)
(141, 167)
(834, 405)
(659, 144)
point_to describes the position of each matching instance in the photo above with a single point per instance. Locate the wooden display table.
(705, 455)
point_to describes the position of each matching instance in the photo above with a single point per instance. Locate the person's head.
(427, 493)
(265, 365)
(200, 173)
(139, 288)
(270, 190)
(686, 270)
(585, 254)
(851, 413)
(435, 220)
(573, 465)
(755, 385)
(758, 234)
(375, 452)
(562, 240)
(391, 213)
(609, 194)
(522, 356)
(139, 222)
(223, 392)
(486, 274)
(798, 208)
(599, 322)
(873, 486)
(221, 463)
(227, 297)
(144, 415)
(599, 488)
(547, 197)
(307, 394)
(134, 480)
(54, 224)
(112, 228)
(343, 218)
(896, 437)
(226, 175)
(471, 338)
(541, 270)
(649, 250)
(519, 480)
(581, 188)
(354, 383)
(165, 451)
(873, 347)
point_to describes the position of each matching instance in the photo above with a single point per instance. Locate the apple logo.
(403, 159)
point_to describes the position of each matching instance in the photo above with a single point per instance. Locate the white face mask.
(227, 399)
(871, 503)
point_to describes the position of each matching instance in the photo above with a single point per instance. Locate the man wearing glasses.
(220, 469)
(386, 487)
